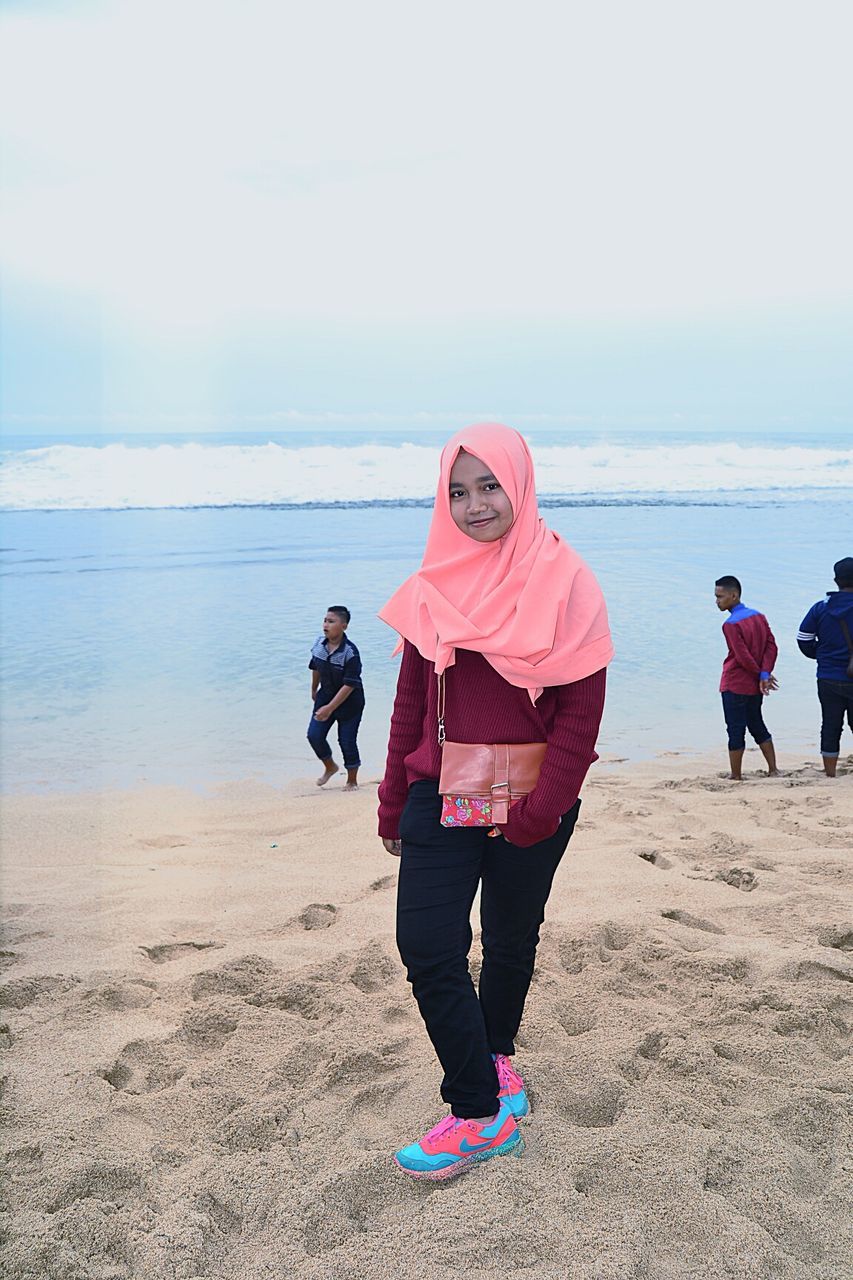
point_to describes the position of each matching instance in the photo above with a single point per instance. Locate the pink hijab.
(527, 602)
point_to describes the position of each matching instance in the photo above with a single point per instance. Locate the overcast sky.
(258, 213)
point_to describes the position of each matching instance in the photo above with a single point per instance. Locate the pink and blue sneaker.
(455, 1145)
(512, 1091)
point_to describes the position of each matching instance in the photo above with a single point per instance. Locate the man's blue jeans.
(318, 732)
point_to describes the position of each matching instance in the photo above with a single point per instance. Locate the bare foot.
(351, 786)
(330, 770)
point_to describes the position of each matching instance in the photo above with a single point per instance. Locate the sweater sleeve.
(407, 722)
(770, 654)
(807, 634)
(570, 752)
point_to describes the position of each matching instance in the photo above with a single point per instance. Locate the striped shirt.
(336, 669)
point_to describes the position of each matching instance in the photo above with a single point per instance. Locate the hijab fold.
(527, 602)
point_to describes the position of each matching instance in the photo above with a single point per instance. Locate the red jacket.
(752, 651)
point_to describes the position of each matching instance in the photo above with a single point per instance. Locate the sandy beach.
(210, 1048)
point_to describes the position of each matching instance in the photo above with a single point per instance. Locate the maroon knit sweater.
(480, 706)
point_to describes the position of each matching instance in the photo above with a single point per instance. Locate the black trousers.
(440, 870)
(836, 697)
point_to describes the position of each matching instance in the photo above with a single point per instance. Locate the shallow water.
(172, 645)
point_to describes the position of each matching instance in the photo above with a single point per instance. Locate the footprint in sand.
(246, 976)
(838, 936)
(574, 1022)
(738, 878)
(24, 1160)
(815, 969)
(652, 1045)
(256, 1126)
(655, 858)
(143, 1066)
(113, 1182)
(692, 922)
(318, 915)
(615, 936)
(172, 950)
(264, 986)
(815, 1124)
(206, 1029)
(370, 1104)
(598, 1108)
(396, 1013)
(7, 959)
(136, 993)
(364, 1066)
(149, 1066)
(347, 1206)
(22, 992)
(305, 999)
(384, 882)
(374, 970)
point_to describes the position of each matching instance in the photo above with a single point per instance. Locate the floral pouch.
(468, 811)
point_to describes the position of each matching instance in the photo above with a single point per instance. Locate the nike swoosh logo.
(465, 1146)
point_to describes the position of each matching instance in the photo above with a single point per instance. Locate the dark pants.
(836, 697)
(440, 870)
(318, 732)
(742, 712)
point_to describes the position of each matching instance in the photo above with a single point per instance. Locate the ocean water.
(160, 596)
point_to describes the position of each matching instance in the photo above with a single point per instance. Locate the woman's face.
(478, 504)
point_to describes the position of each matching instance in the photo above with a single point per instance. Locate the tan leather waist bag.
(496, 771)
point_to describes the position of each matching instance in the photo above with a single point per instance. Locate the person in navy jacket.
(747, 675)
(822, 637)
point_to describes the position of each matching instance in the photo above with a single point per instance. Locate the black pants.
(836, 697)
(742, 712)
(440, 870)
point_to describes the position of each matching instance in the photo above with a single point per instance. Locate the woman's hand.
(322, 714)
(393, 847)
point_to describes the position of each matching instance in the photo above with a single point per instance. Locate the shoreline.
(298, 765)
(211, 1048)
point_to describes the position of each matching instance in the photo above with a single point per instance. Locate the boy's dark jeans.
(440, 870)
(318, 732)
(743, 711)
(836, 697)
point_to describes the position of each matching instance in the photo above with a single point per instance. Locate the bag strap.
(441, 734)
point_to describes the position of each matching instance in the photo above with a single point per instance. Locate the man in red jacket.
(747, 675)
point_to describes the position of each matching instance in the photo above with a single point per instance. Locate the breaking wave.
(117, 476)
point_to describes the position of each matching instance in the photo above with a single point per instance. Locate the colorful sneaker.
(512, 1090)
(455, 1145)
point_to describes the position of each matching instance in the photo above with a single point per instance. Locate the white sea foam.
(73, 477)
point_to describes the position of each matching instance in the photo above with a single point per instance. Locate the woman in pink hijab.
(514, 624)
